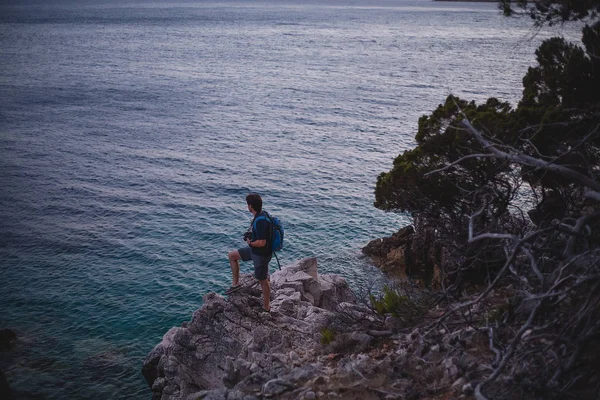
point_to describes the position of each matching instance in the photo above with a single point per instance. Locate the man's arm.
(257, 243)
(262, 228)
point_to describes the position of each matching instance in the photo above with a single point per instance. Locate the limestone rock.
(334, 291)
(381, 247)
(412, 251)
(228, 350)
(392, 254)
(307, 265)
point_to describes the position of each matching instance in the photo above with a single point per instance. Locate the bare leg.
(266, 290)
(234, 261)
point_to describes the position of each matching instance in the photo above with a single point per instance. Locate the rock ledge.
(230, 349)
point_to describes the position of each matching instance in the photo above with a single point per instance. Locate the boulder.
(392, 254)
(414, 252)
(306, 265)
(381, 247)
(326, 291)
(334, 291)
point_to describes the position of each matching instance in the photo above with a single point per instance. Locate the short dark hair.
(255, 201)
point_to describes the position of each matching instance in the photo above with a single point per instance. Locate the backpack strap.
(253, 224)
(271, 231)
(277, 258)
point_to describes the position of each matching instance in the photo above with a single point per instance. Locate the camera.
(247, 235)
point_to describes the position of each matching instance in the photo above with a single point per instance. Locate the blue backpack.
(276, 230)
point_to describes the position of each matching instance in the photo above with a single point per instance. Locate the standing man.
(258, 250)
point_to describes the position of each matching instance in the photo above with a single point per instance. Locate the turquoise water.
(131, 132)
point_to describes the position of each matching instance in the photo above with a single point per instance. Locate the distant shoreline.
(473, 1)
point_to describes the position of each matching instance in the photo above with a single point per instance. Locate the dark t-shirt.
(262, 232)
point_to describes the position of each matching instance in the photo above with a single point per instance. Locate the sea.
(131, 132)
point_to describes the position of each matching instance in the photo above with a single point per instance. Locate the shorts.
(261, 263)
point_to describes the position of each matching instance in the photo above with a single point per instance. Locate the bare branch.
(511, 350)
(581, 222)
(533, 264)
(472, 219)
(492, 236)
(524, 159)
(435, 171)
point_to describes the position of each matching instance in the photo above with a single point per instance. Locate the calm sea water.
(130, 133)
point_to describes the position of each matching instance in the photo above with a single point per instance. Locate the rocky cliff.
(318, 342)
(230, 347)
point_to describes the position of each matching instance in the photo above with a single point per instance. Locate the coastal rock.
(334, 291)
(326, 291)
(392, 254)
(333, 347)
(230, 344)
(411, 252)
(306, 265)
(381, 247)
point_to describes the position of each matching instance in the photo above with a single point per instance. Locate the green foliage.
(327, 336)
(442, 141)
(395, 301)
(559, 109)
(561, 78)
(391, 302)
(449, 176)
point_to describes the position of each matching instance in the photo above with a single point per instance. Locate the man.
(258, 250)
